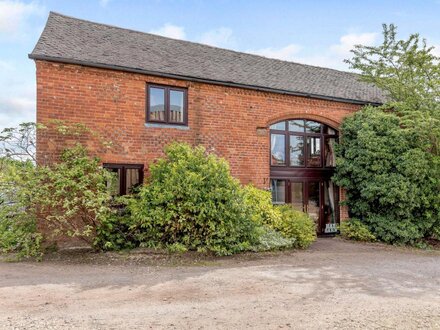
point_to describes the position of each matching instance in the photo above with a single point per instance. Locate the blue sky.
(312, 32)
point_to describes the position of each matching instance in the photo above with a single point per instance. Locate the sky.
(316, 32)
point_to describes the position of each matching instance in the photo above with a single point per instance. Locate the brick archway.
(325, 120)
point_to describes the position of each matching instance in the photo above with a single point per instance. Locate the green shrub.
(18, 228)
(176, 248)
(117, 232)
(392, 184)
(296, 224)
(191, 199)
(354, 229)
(389, 156)
(260, 202)
(270, 240)
(18, 233)
(71, 196)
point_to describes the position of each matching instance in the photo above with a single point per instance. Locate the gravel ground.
(334, 284)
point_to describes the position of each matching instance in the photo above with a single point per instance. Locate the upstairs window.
(167, 105)
(128, 177)
(302, 143)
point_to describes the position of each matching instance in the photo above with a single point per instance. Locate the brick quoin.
(232, 122)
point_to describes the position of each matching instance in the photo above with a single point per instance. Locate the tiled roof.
(72, 40)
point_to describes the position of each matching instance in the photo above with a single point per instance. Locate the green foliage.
(388, 158)
(176, 248)
(117, 231)
(18, 228)
(354, 229)
(191, 199)
(72, 196)
(392, 184)
(259, 201)
(270, 239)
(296, 224)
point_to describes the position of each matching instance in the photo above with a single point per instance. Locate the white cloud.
(15, 110)
(170, 31)
(287, 53)
(348, 41)
(332, 57)
(221, 37)
(13, 16)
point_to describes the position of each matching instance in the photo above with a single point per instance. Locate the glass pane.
(313, 201)
(297, 195)
(329, 152)
(278, 149)
(329, 130)
(176, 106)
(296, 126)
(278, 188)
(313, 151)
(279, 126)
(157, 104)
(296, 150)
(313, 127)
(330, 191)
(132, 179)
(114, 185)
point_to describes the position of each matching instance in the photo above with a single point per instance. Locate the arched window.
(302, 159)
(301, 143)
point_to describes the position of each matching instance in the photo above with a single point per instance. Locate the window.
(278, 188)
(302, 143)
(167, 105)
(278, 149)
(128, 176)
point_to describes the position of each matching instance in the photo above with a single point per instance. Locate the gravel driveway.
(335, 284)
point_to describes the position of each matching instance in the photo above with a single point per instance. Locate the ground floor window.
(128, 177)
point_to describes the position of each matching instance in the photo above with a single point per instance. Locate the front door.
(318, 199)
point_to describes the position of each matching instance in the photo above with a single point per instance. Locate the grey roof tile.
(73, 40)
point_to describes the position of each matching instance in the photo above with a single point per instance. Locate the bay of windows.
(302, 143)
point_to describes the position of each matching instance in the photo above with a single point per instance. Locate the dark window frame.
(305, 135)
(167, 90)
(123, 175)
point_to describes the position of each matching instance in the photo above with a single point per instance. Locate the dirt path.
(335, 284)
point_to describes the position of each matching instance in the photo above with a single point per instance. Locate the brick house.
(275, 121)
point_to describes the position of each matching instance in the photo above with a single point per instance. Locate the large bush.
(68, 197)
(388, 158)
(71, 196)
(392, 185)
(18, 228)
(191, 199)
(295, 226)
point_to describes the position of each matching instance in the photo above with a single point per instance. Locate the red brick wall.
(223, 119)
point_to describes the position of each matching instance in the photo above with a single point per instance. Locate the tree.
(19, 142)
(388, 158)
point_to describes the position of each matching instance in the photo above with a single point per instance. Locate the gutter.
(195, 79)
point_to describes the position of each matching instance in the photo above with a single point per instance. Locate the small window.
(167, 105)
(278, 188)
(278, 149)
(128, 177)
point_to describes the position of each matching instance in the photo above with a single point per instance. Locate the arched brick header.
(325, 120)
